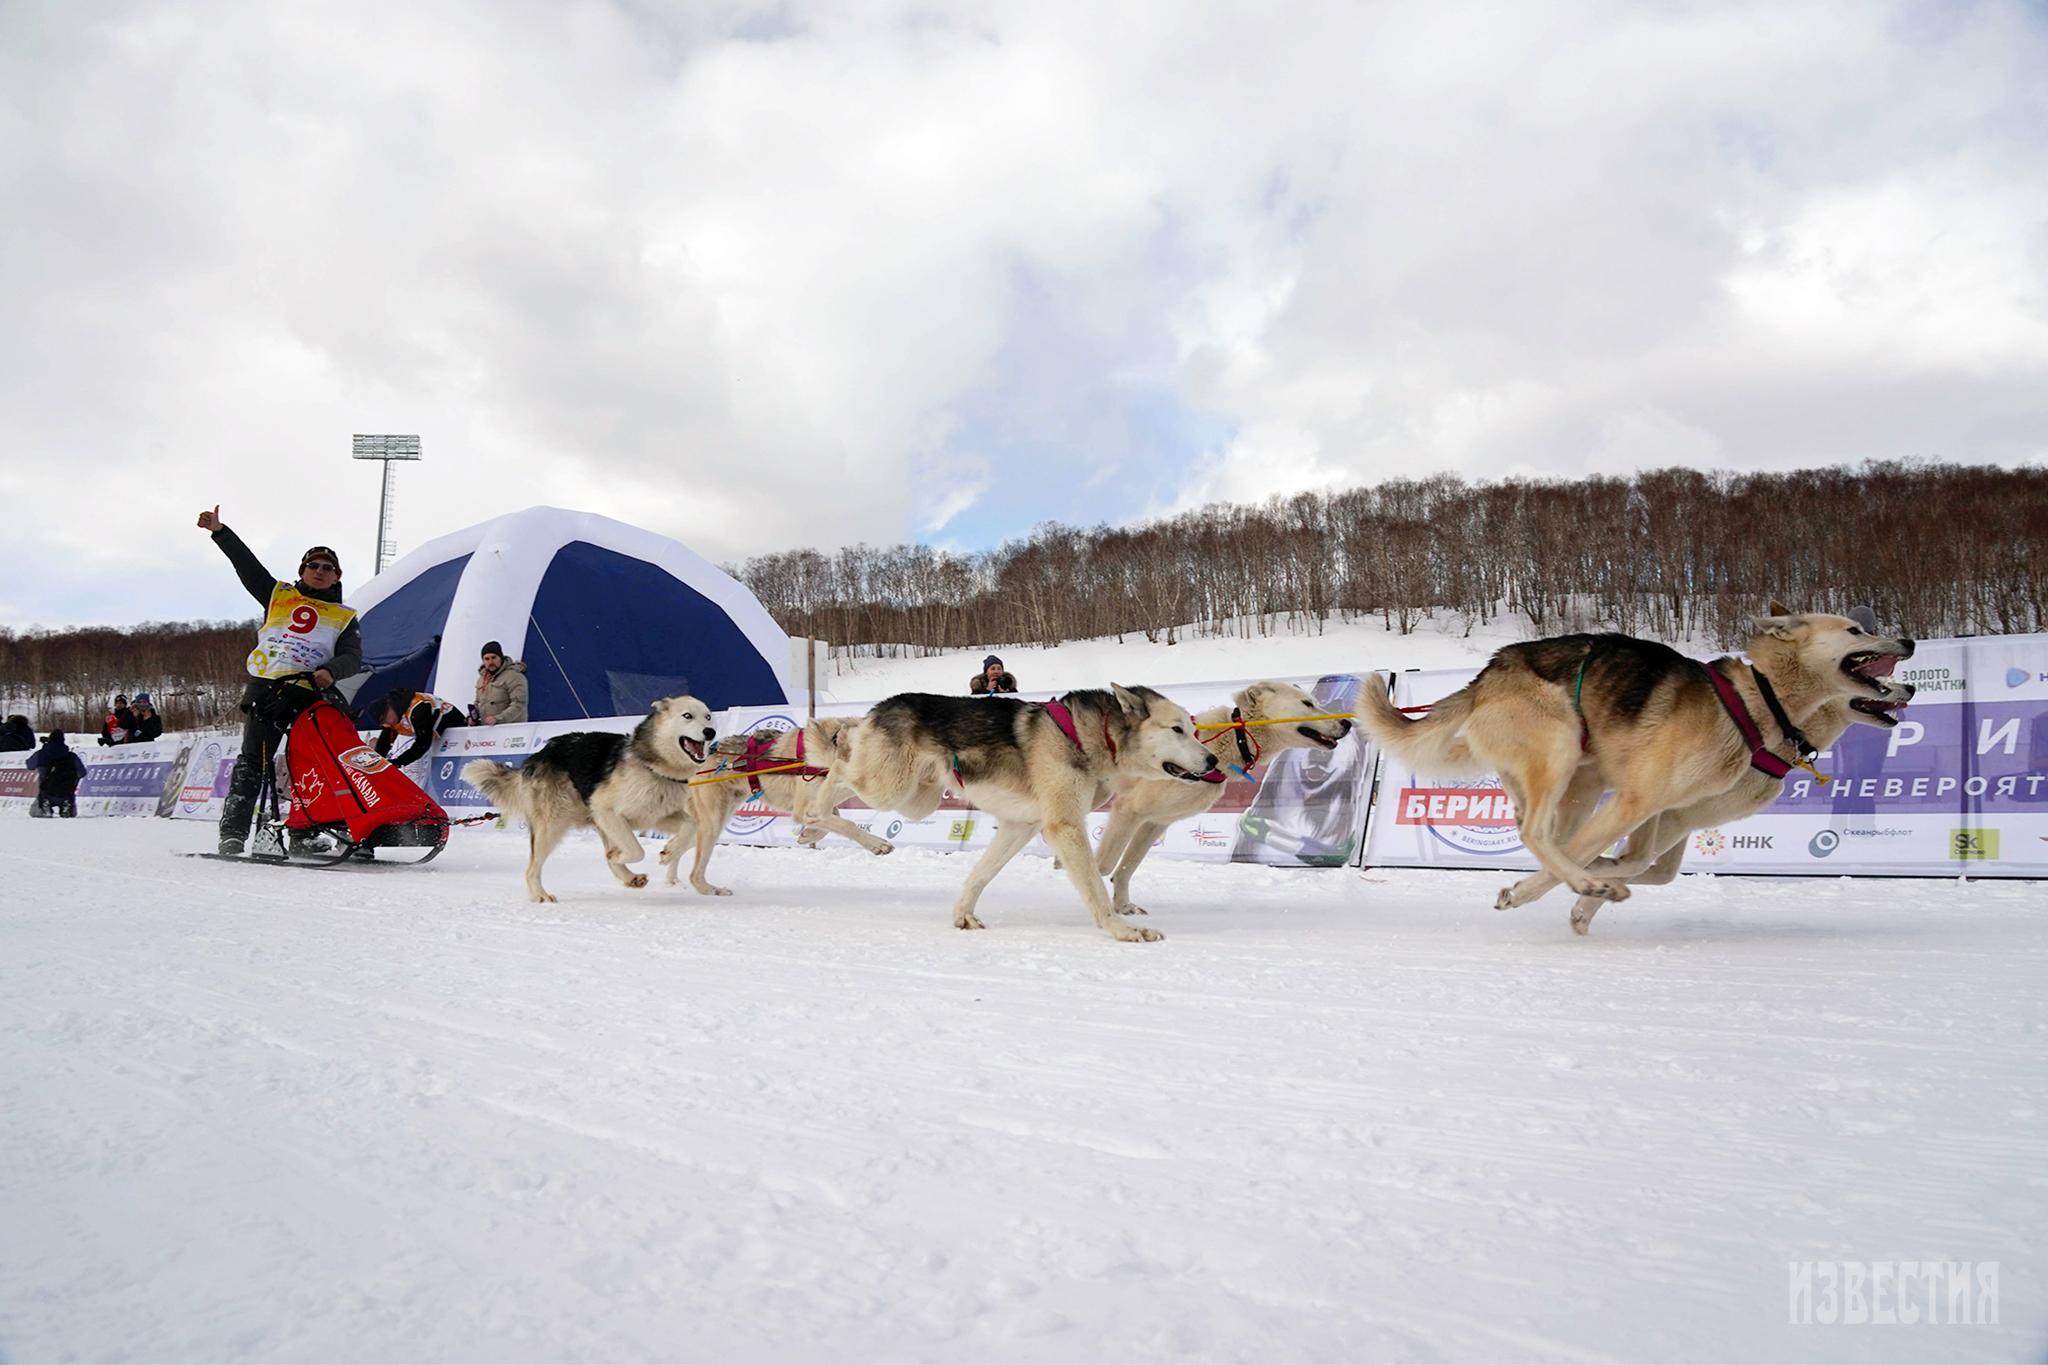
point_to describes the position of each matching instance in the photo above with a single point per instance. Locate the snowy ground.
(1339, 647)
(257, 1114)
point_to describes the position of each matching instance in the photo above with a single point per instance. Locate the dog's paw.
(1606, 891)
(1505, 900)
(635, 881)
(707, 889)
(1582, 920)
(884, 848)
(1131, 908)
(968, 920)
(1135, 933)
(544, 898)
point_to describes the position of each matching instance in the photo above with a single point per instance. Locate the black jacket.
(61, 770)
(143, 729)
(1004, 683)
(348, 650)
(15, 736)
(122, 717)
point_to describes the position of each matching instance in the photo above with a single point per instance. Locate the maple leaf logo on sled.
(310, 784)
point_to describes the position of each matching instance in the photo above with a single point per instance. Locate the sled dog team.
(1674, 745)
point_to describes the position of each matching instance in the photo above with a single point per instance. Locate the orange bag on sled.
(337, 780)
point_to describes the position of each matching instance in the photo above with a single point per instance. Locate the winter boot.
(230, 846)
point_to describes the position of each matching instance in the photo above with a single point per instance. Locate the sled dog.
(1656, 847)
(619, 783)
(1145, 808)
(810, 802)
(1033, 766)
(1648, 719)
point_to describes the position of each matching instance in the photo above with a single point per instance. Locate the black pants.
(260, 743)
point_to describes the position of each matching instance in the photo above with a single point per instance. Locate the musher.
(305, 629)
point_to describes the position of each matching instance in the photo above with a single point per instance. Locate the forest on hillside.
(1937, 549)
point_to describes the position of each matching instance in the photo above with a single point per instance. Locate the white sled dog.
(619, 783)
(1650, 721)
(1031, 765)
(1145, 808)
(810, 801)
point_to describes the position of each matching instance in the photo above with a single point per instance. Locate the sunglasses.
(324, 566)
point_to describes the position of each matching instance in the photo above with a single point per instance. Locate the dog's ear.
(1133, 704)
(1779, 626)
(1256, 697)
(1777, 608)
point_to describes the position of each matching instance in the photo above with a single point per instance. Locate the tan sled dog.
(619, 783)
(1145, 808)
(1648, 718)
(811, 802)
(1656, 848)
(1031, 765)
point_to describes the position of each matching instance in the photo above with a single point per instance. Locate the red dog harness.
(1760, 758)
(757, 759)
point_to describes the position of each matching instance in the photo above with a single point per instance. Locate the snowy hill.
(1339, 647)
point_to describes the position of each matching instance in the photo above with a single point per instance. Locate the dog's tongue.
(1880, 667)
(1213, 775)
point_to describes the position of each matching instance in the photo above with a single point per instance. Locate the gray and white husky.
(1015, 760)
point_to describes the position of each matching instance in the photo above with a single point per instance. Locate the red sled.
(343, 787)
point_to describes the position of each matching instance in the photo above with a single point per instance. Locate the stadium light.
(387, 449)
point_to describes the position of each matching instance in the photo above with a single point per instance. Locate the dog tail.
(501, 784)
(1433, 744)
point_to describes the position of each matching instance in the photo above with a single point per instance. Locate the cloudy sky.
(775, 274)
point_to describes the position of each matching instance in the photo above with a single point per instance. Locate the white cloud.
(758, 275)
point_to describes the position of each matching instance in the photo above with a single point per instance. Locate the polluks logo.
(1710, 843)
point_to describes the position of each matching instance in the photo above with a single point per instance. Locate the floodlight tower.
(387, 449)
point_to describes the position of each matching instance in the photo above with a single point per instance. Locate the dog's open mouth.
(1175, 770)
(1317, 737)
(1871, 668)
(1884, 712)
(693, 749)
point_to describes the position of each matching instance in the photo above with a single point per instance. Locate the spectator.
(419, 717)
(120, 720)
(305, 629)
(62, 770)
(500, 688)
(15, 735)
(148, 724)
(991, 679)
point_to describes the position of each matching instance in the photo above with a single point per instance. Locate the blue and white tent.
(606, 616)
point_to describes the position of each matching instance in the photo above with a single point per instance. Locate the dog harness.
(1760, 757)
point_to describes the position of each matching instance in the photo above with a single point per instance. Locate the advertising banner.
(1959, 788)
(124, 779)
(1306, 809)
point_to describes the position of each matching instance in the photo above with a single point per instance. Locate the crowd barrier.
(1306, 809)
(1959, 788)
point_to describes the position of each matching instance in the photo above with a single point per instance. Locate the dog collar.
(1760, 757)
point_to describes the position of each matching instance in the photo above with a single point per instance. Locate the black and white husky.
(619, 783)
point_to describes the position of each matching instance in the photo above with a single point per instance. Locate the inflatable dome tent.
(606, 617)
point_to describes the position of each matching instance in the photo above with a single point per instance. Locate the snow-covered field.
(258, 1114)
(1339, 647)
